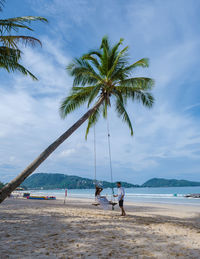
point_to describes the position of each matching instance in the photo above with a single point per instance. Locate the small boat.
(26, 194)
(192, 195)
(41, 197)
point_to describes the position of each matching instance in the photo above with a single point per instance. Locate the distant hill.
(62, 181)
(161, 182)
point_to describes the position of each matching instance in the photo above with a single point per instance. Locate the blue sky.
(167, 138)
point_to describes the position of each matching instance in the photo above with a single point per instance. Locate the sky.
(166, 141)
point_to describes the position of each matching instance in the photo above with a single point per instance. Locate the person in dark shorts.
(120, 195)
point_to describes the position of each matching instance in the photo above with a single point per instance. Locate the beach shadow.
(45, 230)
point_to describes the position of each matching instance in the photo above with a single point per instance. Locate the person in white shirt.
(120, 195)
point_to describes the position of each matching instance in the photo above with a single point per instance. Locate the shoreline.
(51, 229)
(174, 200)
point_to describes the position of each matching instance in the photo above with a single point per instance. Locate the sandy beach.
(51, 229)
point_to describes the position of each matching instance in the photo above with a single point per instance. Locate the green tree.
(1, 185)
(10, 42)
(99, 76)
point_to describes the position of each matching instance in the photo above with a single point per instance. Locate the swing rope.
(95, 158)
(112, 202)
(110, 157)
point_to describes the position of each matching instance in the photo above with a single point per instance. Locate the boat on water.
(41, 197)
(192, 195)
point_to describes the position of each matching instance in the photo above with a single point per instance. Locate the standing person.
(120, 195)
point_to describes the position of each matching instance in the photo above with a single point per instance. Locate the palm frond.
(92, 121)
(144, 83)
(91, 91)
(143, 96)
(97, 53)
(15, 54)
(122, 95)
(105, 57)
(144, 62)
(27, 19)
(105, 43)
(9, 60)
(6, 25)
(92, 59)
(10, 53)
(117, 60)
(12, 41)
(72, 102)
(123, 113)
(123, 72)
(94, 93)
(113, 52)
(23, 70)
(84, 88)
(83, 73)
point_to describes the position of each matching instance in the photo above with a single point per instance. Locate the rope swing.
(95, 159)
(110, 158)
(103, 199)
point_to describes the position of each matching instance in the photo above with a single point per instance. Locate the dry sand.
(50, 229)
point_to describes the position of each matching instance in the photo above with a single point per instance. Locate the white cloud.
(66, 153)
(48, 64)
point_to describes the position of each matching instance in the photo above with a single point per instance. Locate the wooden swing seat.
(110, 203)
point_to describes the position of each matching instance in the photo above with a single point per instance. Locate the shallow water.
(173, 195)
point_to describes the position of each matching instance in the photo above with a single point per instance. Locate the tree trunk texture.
(10, 187)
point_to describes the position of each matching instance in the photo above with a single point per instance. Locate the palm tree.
(101, 77)
(10, 53)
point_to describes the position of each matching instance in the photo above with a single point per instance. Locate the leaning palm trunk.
(6, 190)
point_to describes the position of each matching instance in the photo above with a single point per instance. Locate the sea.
(170, 195)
